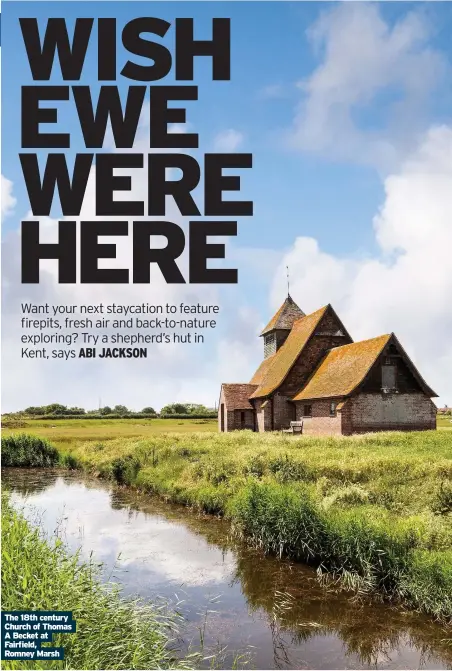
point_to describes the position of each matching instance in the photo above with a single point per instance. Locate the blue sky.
(298, 194)
(327, 180)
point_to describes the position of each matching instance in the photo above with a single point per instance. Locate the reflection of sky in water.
(163, 554)
(161, 550)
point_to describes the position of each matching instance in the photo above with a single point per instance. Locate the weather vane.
(287, 269)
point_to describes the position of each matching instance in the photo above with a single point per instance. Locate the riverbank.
(251, 610)
(375, 509)
(112, 633)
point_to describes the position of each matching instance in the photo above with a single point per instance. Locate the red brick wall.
(346, 418)
(320, 423)
(283, 412)
(235, 423)
(392, 412)
(232, 418)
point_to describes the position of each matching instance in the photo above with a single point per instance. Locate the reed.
(26, 451)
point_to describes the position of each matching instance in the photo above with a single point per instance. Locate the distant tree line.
(186, 409)
(170, 410)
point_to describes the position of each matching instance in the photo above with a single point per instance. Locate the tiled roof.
(343, 369)
(287, 354)
(285, 317)
(237, 396)
(261, 372)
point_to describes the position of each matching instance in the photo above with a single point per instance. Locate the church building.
(314, 373)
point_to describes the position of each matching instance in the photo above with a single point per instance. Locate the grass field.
(375, 509)
(444, 422)
(68, 431)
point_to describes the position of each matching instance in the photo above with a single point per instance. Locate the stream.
(274, 613)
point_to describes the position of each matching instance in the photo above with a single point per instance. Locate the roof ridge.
(358, 376)
(284, 317)
(359, 342)
(270, 388)
(324, 307)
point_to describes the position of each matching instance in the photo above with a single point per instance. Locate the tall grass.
(112, 633)
(25, 451)
(371, 548)
(374, 509)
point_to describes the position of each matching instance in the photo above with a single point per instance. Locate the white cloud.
(149, 543)
(367, 98)
(407, 287)
(228, 140)
(8, 200)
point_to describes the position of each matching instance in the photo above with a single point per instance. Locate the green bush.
(124, 470)
(25, 451)
(194, 415)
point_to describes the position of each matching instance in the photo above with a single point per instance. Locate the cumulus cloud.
(228, 140)
(368, 70)
(8, 200)
(406, 287)
(366, 103)
(148, 543)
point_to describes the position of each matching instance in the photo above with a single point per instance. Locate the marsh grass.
(374, 509)
(24, 451)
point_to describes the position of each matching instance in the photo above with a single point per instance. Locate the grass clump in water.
(112, 633)
(26, 451)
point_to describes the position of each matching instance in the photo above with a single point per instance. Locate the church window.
(307, 411)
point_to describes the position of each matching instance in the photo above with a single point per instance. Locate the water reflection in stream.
(274, 610)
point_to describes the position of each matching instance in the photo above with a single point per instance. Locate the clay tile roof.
(285, 317)
(285, 357)
(261, 372)
(343, 369)
(237, 396)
